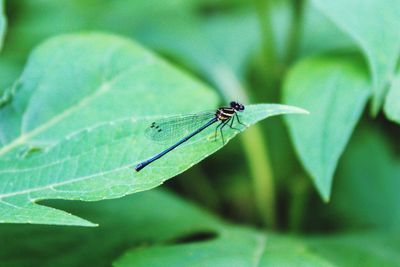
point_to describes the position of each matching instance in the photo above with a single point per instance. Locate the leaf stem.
(300, 192)
(294, 31)
(269, 62)
(255, 148)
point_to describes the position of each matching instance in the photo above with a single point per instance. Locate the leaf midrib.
(52, 185)
(261, 242)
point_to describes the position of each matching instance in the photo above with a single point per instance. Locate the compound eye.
(241, 107)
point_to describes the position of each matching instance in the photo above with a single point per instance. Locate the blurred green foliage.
(330, 57)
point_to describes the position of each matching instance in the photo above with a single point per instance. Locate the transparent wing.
(174, 128)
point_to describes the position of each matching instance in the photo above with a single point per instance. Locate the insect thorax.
(223, 114)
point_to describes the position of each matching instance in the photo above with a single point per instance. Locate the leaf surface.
(74, 126)
(366, 191)
(335, 91)
(160, 229)
(374, 25)
(244, 247)
(151, 217)
(98, 163)
(75, 81)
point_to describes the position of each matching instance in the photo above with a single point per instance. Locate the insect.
(197, 122)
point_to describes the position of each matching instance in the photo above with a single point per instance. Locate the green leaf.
(335, 91)
(76, 81)
(72, 83)
(367, 187)
(98, 92)
(245, 247)
(372, 248)
(392, 107)
(98, 162)
(162, 229)
(147, 218)
(3, 24)
(374, 26)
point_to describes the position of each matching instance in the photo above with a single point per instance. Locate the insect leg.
(232, 120)
(220, 129)
(216, 130)
(231, 125)
(237, 117)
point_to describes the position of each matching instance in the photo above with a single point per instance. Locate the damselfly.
(198, 122)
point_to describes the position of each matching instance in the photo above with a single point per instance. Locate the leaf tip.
(325, 193)
(304, 111)
(299, 110)
(326, 198)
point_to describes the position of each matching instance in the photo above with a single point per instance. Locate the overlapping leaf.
(374, 25)
(244, 247)
(151, 217)
(335, 91)
(234, 246)
(366, 194)
(161, 229)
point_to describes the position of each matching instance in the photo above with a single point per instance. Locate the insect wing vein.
(176, 127)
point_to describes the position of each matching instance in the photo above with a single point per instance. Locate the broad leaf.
(245, 247)
(334, 90)
(98, 163)
(159, 228)
(151, 217)
(392, 106)
(76, 81)
(74, 127)
(373, 248)
(374, 25)
(367, 188)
